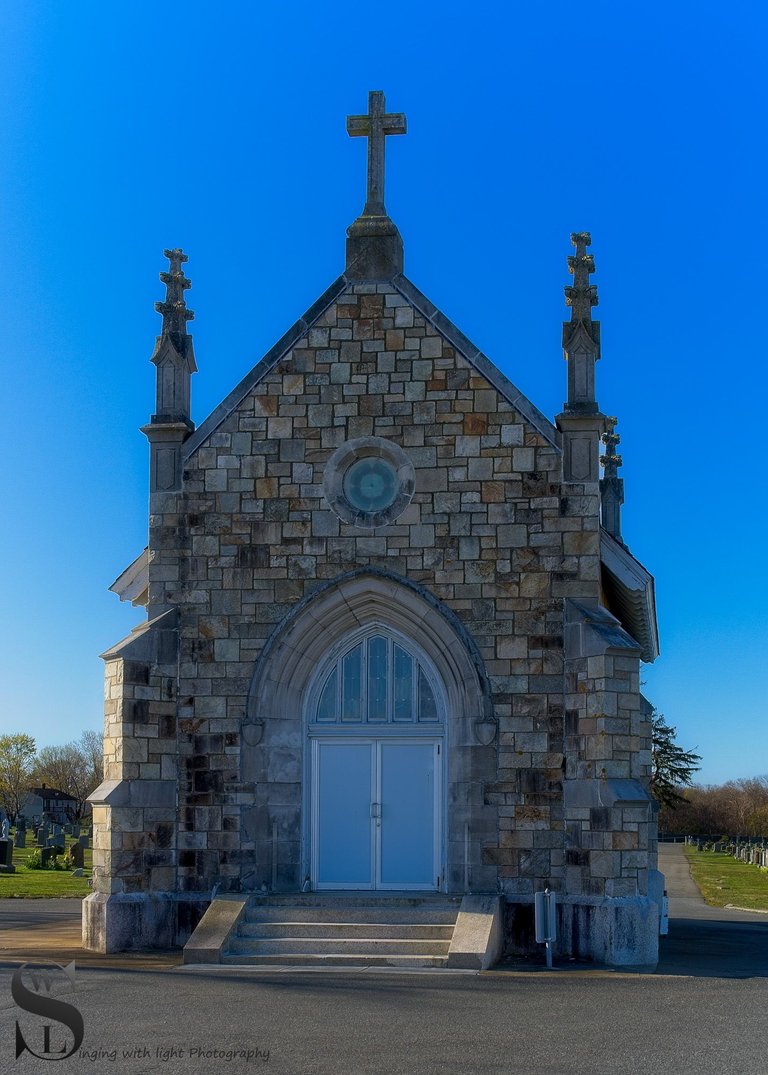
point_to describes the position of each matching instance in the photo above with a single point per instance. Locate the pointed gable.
(399, 293)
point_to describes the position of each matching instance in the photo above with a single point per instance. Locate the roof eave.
(131, 584)
(636, 590)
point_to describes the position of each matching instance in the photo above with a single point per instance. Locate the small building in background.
(51, 803)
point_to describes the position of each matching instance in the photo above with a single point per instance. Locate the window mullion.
(390, 679)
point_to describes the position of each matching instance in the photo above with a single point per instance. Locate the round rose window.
(370, 484)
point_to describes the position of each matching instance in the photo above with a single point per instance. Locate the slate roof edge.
(132, 579)
(626, 570)
(270, 359)
(476, 357)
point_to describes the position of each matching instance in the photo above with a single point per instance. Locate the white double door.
(376, 813)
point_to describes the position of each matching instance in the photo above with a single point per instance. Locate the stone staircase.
(349, 930)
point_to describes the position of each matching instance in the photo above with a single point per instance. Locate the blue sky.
(128, 128)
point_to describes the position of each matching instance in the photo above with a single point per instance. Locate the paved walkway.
(51, 929)
(704, 941)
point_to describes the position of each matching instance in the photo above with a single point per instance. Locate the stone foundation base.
(139, 921)
(620, 932)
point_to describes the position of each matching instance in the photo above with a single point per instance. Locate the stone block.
(477, 940)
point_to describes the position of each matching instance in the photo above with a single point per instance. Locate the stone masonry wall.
(491, 531)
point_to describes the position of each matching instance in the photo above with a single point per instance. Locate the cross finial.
(611, 485)
(174, 309)
(582, 296)
(611, 461)
(375, 126)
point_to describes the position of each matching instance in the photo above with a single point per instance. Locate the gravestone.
(56, 842)
(46, 854)
(42, 835)
(84, 840)
(77, 855)
(75, 832)
(5, 829)
(6, 857)
(20, 839)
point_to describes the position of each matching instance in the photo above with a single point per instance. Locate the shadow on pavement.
(714, 948)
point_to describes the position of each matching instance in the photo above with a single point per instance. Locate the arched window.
(377, 679)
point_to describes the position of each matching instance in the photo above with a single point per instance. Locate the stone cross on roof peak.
(375, 126)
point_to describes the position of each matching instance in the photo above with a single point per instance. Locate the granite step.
(439, 914)
(349, 930)
(331, 959)
(344, 929)
(356, 946)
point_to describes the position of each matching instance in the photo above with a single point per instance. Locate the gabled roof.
(630, 594)
(51, 793)
(427, 309)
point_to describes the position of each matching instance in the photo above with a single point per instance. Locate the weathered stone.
(375, 481)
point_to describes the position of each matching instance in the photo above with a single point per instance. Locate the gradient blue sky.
(127, 128)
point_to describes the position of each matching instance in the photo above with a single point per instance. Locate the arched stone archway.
(275, 737)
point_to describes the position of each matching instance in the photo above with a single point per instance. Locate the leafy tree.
(672, 767)
(17, 756)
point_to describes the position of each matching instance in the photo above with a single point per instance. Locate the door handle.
(375, 809)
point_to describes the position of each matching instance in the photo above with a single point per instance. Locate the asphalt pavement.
(702, 1013)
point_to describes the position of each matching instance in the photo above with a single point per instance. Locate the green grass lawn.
(723, 880)
(42, 884)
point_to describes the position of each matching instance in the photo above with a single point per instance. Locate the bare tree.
(75, 768)
(91, 744)
(736, 808)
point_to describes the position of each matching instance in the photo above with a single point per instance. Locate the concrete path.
(51, 929)
(704, 941)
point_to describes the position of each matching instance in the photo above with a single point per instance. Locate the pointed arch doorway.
(375, 724)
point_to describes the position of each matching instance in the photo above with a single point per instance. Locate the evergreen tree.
(672, 767)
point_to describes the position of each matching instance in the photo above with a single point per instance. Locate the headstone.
(42, 835)
(56, 842)
(20, 839)
(5, 828)
(75, 830)
(6, 857)
(84, 841)
(77, 873)
(76, 855)
(46, 854)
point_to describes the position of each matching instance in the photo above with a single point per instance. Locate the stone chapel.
(392, 645)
